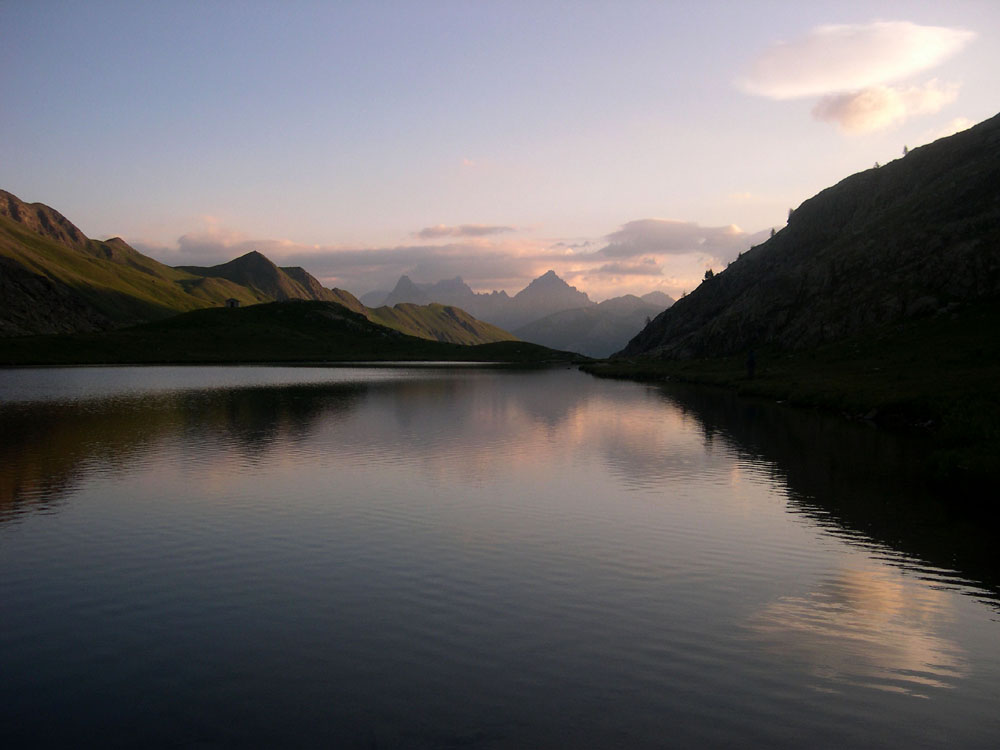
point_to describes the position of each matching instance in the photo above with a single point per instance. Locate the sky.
(628, 146)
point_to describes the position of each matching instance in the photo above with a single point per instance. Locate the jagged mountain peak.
(549, 278)
(405, 282)
(451, 286)
(550, 282)
(406, 291)
(254, 258)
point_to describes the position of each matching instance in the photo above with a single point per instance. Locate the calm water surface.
(461, 557)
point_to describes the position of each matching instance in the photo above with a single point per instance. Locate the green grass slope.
(55, 280)
(434, 322)
(255, 272)
(297, 331)
(109, 284)
(438, 322)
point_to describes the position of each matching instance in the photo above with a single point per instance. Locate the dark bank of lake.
(466, 557)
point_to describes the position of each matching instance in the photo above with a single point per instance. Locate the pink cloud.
(879, 107)
(463, 230)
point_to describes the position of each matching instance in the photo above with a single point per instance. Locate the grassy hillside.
(113, 285)
(438, 322)
(434, 322)
(267, 282)
(298, 331)
(55, 280)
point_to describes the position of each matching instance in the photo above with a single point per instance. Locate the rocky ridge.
(919, 236)
(55, 280)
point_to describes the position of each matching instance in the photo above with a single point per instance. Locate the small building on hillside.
(232, 302)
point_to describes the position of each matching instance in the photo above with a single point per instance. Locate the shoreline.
(956, 411)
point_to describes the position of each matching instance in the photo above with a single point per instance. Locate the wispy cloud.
(485, 263)
(643, 254)
(879, 107)
(644, 267)
(673, 237)
(845, 58)
(856, 69)
(463, 230)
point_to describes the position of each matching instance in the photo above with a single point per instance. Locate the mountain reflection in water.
(463, 557)
(865, 485)
(50, 447)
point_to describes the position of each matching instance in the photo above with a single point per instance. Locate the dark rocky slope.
(917, 237)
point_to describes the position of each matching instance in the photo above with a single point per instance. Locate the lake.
(462, 557)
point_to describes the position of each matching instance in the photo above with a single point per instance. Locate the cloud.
(485, 263)
(464, 230)
(867, 627)
(672, 237)
(644, 267)
(844, 58)
(667, 254)
(878, 107)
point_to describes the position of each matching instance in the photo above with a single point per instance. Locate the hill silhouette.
(879, 300)
(255, 272)
(917, 237)
(291, 331)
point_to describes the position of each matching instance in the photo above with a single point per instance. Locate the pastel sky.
(626, 145)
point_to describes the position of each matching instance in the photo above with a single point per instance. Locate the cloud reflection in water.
(873, 628)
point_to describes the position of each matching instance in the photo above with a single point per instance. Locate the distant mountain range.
(917, 238)
(53, 279)
(548, 311)
(546, 294)
(596, 330)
